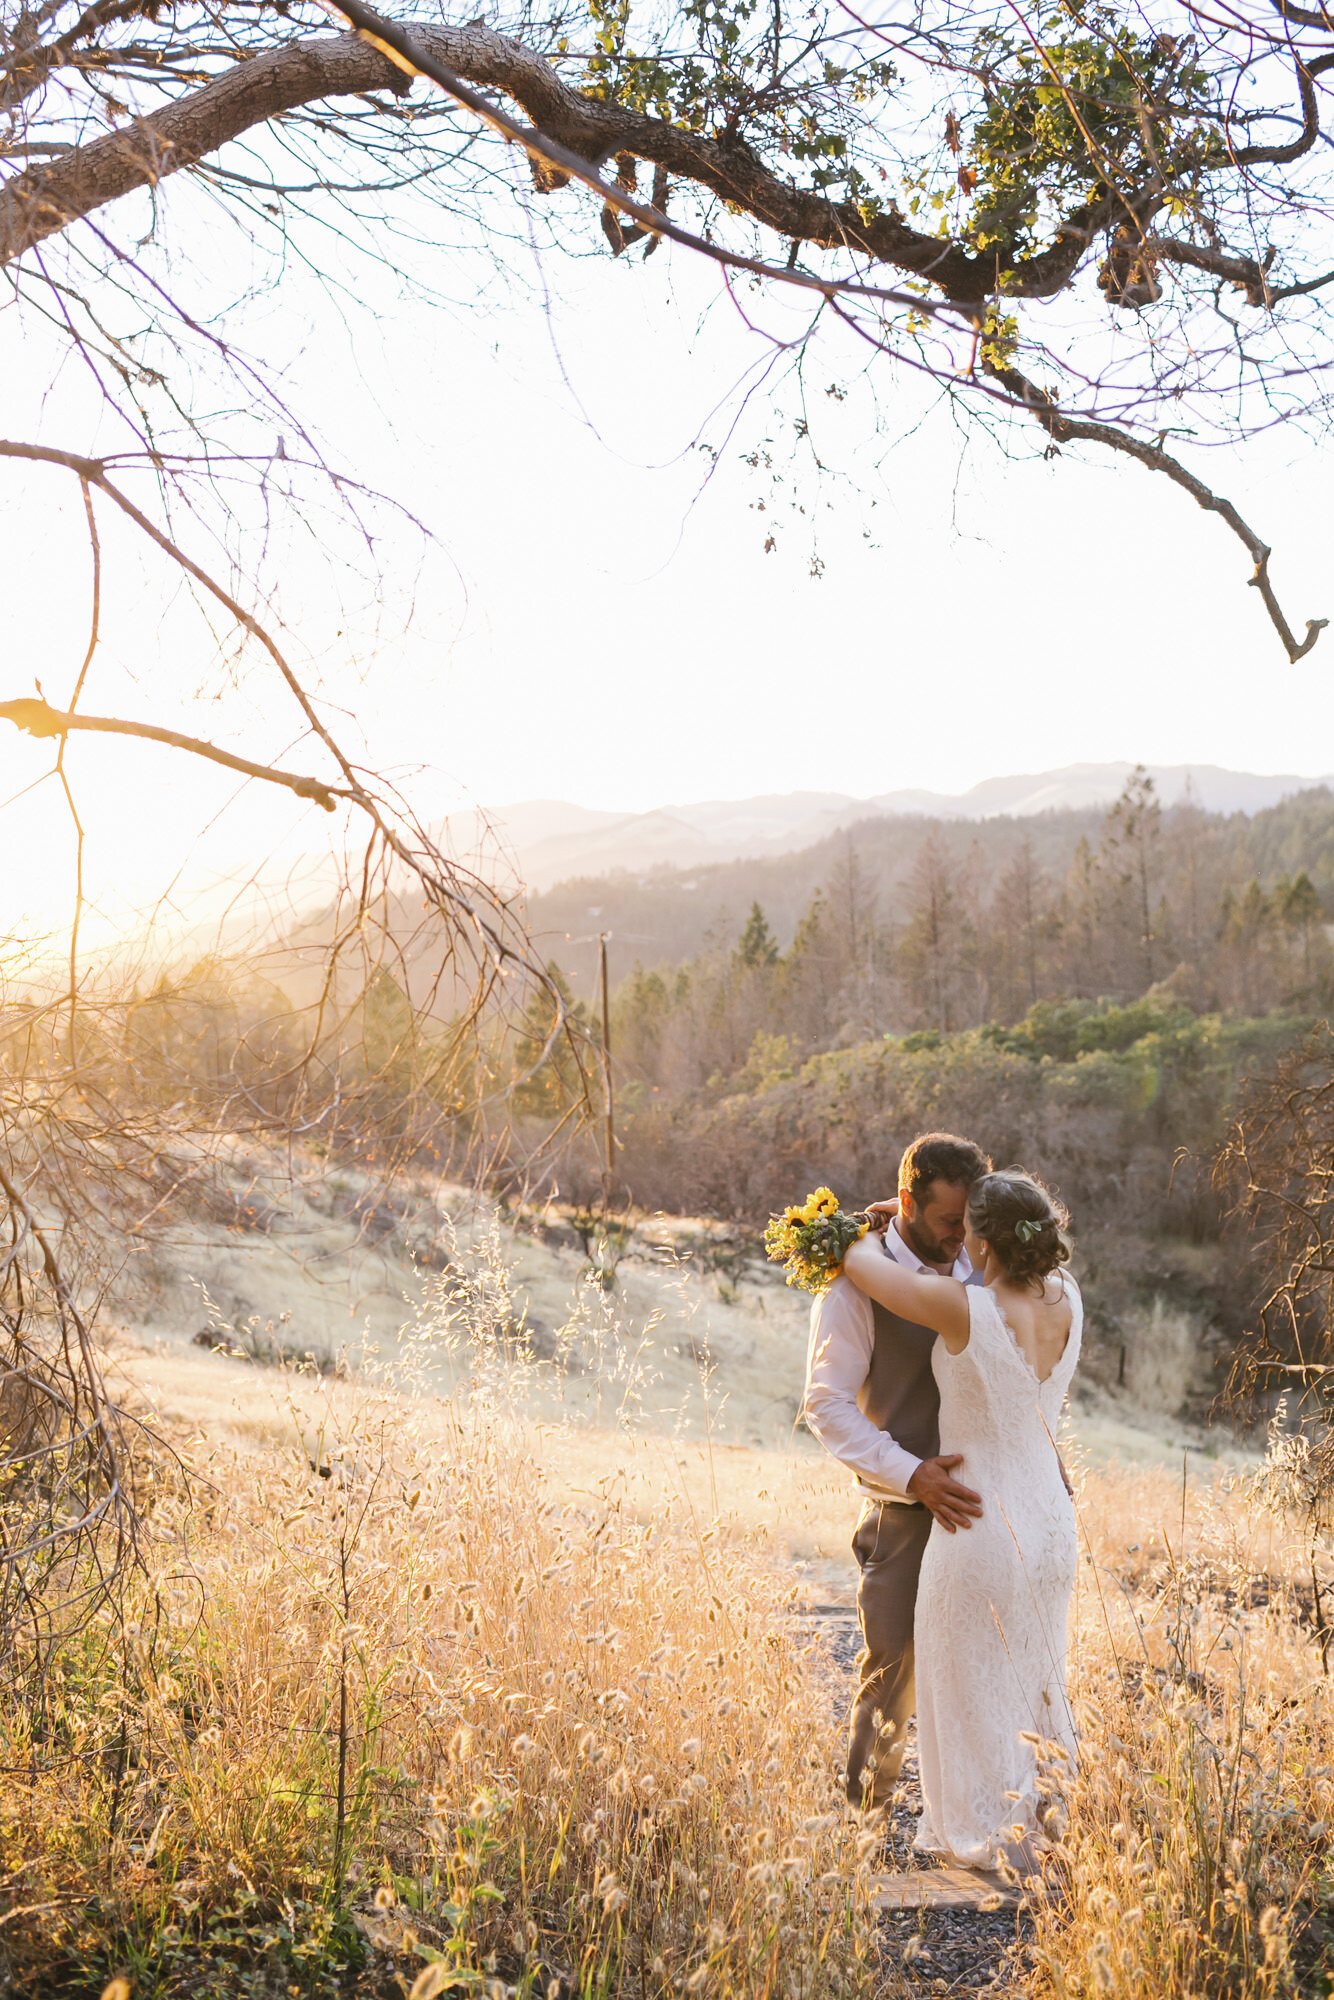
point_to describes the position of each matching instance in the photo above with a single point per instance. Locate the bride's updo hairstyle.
(1024, 1223)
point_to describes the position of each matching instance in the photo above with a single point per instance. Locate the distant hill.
(661, 915)
(666, 883)
(545, 841)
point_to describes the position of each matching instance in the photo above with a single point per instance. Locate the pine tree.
(1132, 833)
(641, 1007)
(1247, 935)
(1083, 972)
(1302, 911)
(758, 948)
(808, 973)
(931, 952)
(1021, 918)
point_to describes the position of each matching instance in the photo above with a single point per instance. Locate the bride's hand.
(882, 1213)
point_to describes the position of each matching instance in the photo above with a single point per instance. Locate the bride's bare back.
(1040, 1325)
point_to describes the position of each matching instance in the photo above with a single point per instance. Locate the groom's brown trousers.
(900, 1396)
(888, 1545)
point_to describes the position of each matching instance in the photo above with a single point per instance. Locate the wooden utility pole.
(609, 1162)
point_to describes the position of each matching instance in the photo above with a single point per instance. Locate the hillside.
(668, 1327)
(664, 914)
(670, 884)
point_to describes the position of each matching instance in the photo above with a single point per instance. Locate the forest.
(1088, 994)
(1079, 990)
(907, 923)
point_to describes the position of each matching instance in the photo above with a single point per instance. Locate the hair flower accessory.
(1027, 1230)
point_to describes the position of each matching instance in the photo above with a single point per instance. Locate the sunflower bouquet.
(811, 1242)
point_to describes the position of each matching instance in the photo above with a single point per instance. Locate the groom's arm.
(838, 1362)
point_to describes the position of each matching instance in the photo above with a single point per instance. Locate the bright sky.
(589, 624)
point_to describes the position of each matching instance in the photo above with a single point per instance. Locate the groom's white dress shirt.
(838, 1362)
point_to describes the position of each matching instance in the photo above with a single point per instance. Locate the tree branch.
(571, 136)
(33, 61)
(1247, 273)
(1072, 430)
(1250, 156)
(93, 470)
(40, 719)
(1306, 17)
(1297, 291)
(461, 899)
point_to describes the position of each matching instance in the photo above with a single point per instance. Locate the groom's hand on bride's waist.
(953, 1505)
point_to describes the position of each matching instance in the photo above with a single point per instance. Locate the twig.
(1076, 430)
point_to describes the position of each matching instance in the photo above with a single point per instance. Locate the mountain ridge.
(546, 841)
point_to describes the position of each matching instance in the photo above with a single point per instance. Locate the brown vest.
(899, 1394)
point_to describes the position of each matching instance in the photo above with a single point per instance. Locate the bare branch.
(1249, 274)
(39, 719)
(62, 1451)
(1298, 291)
(93, 471)
(1249, 156)
(1306, 17)
(1071, 430)
(460, 899)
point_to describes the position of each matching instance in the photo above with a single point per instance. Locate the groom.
(872, 1401)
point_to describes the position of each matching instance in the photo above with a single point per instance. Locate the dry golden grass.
(312, 1280)
(471, 1685)
(536, 1739)
(1195, 1858)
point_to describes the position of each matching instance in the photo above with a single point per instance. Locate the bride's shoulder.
(983, 1303)
(1069, 1289)
(988, 1327)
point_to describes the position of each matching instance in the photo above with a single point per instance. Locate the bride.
(992, 1603)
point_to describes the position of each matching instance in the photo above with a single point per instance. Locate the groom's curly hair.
(1023, 1221)
(940, 1156)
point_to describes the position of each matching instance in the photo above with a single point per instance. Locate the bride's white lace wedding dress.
(993, 1599)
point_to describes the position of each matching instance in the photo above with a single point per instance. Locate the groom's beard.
(931, 1248)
